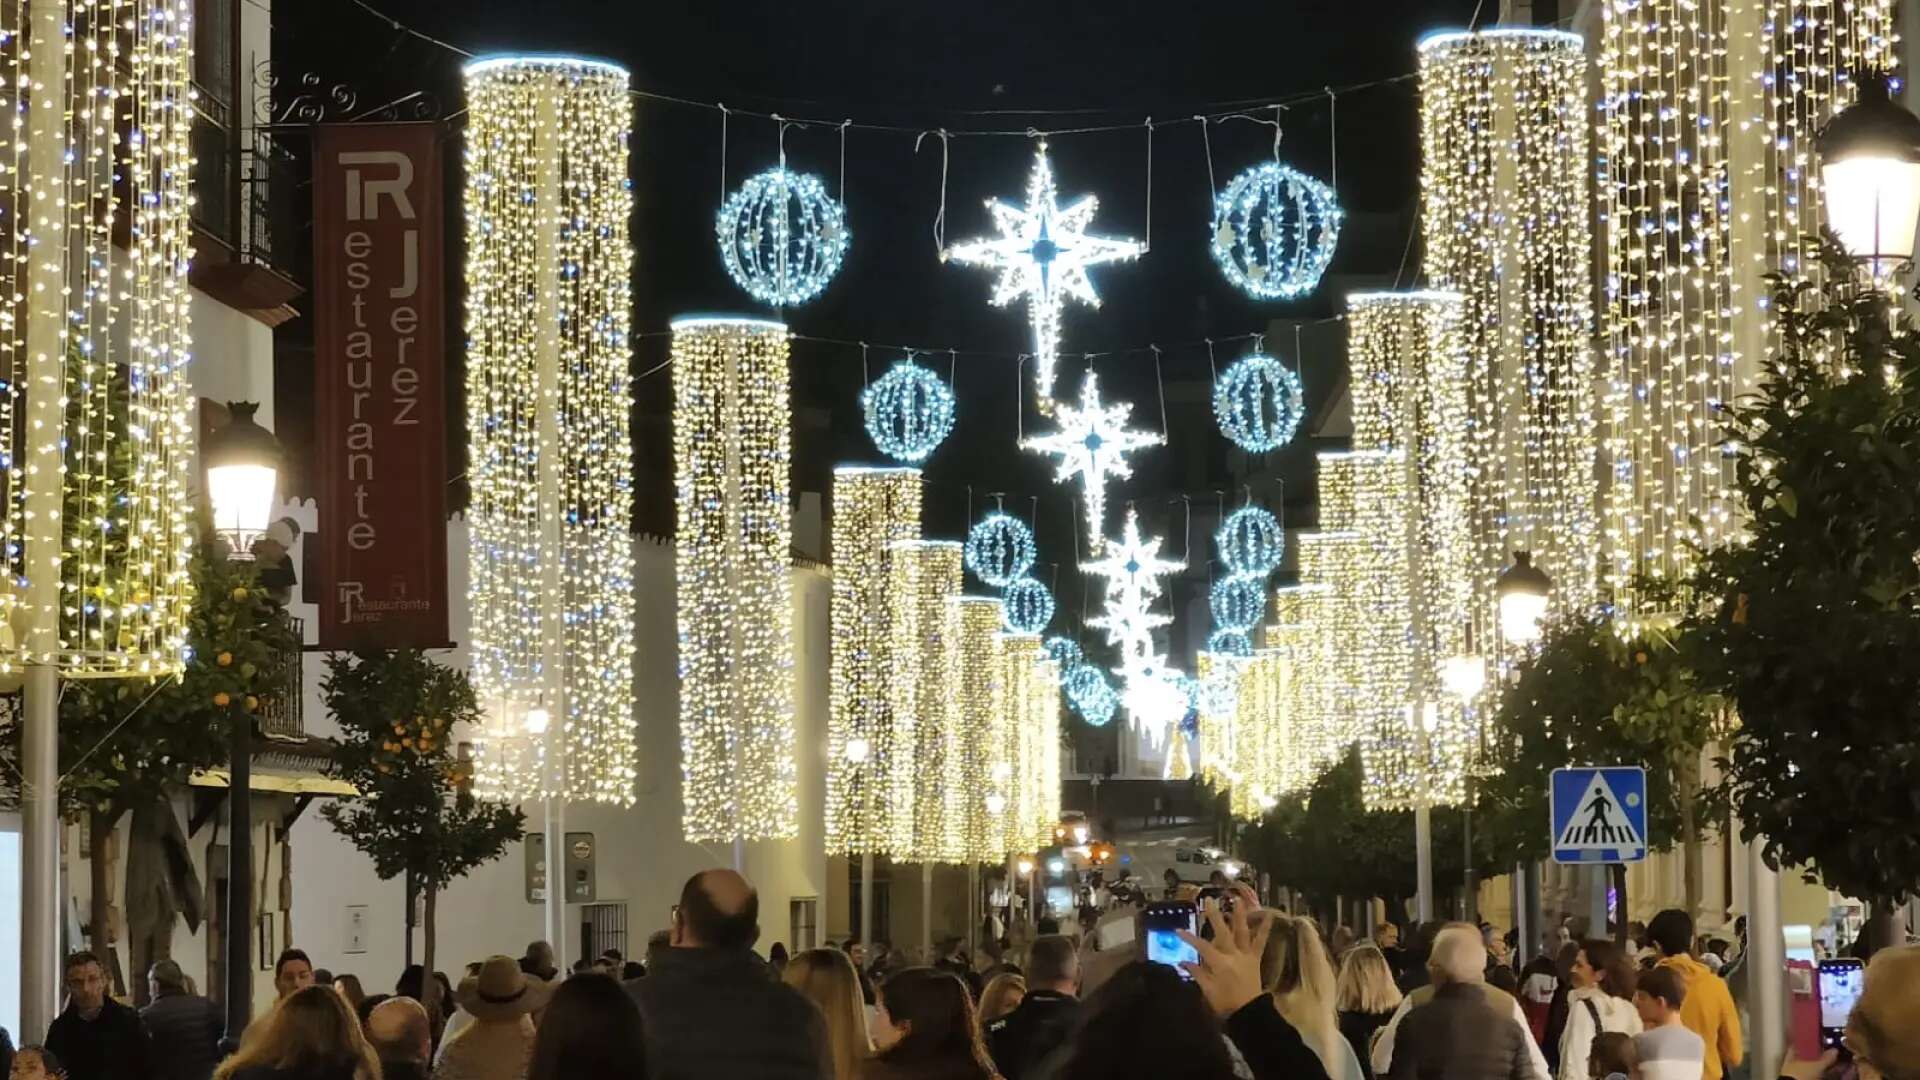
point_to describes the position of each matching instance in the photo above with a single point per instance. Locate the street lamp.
(1522, 590)
(242, 462)
(1870, 167)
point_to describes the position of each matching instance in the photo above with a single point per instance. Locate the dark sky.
(925, 65)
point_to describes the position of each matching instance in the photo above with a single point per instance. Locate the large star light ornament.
(1133, 568)
(1092, 444)
(1042, 253)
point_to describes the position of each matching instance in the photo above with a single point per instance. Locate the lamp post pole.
(238, 951)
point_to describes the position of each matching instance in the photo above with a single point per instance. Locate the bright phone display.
(1840, 984)
(1162, 922)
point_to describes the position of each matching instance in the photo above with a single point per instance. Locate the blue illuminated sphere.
(1027, 607)
(782, 237)
(1066, 652)
(1258, 404)
(1000, 550)
(909, 412)
(1274, 231)
(1251, 541)
(1238, 601)
(1090, 694)
(1230, 643)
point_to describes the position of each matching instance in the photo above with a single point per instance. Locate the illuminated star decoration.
(1132, 567)
(1043, 253)
(1092, 443)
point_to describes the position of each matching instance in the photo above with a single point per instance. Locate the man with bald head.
(400, 1034)
(712, 1007)
(1458, 1026)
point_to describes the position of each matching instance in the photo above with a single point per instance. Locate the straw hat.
(502, 991)
(1888, 1008)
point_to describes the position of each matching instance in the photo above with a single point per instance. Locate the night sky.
(966, 67)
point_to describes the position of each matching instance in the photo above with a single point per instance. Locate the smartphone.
(1161, 922)
(1840, 983)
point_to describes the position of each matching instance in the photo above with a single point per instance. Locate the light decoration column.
(985, 768)
(1504, 124)
(732, 548)
(96, 434)
(870, 742)
(1028, 696)
(1686, 297)
(926, 576)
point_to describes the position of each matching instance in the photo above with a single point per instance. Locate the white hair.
(1459, 955)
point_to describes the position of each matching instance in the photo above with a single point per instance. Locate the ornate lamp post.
(1870, 167)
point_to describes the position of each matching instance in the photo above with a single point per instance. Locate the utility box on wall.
(581, 855)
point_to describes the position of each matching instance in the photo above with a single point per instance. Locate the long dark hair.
(1146, 1021)
(943, 1036)
(590, 1031)
(1611, 966)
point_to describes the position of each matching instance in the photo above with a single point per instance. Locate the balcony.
(246, 231)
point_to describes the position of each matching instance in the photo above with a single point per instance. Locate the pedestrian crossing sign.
(1599, 815)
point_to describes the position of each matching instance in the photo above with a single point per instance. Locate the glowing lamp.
(1522, 589)
(243, 467)
(1080, 834)
(1870, 167)
(1026, 867)
(1056, 866)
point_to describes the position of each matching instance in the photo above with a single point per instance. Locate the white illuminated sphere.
(1274, 231)
(782, 237)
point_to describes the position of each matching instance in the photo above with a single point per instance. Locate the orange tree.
(416, 815)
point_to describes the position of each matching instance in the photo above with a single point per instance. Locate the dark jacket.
(403, 1070)
(1271, 1046)
(720, 1012)
(1359, 1027)
(1035, 1028)
(1460, 1034)
(265, 1072)
(185, 1033)
(111, 1046)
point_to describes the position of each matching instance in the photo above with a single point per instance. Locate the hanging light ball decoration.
(1000, 550)
(909, 412)
(1090, 694)
(1251, 541)
(1066, 652)
(782, 237)
(1238, 601)
(1027, 606)
(1258, 404)
(1274, 230)
(1224, 642)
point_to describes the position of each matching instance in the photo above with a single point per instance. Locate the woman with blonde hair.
(1296, 972)
(1003, 994)
(828, 979)
(311, 1035)
(1364, 998)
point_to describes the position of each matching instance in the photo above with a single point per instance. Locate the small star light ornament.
(909, 412)
(1042, 253)
(1092, 444)
(1258, 404)
(782, 237)
(1132, 568)
(1000, 550)
(1274, 231)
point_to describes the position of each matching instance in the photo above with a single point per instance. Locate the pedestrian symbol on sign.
(1599, 815)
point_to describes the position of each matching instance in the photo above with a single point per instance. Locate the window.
(603, 927)
(804, 923)
(216, 46)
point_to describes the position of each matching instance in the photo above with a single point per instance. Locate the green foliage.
(416, 815)
(1813, 630)
(1591, 696)
(123, 741)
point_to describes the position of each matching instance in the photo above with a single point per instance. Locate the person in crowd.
(35, 1063)
(1419, 950)
(827, 978)
(402, 1038)
(1465, 1029)
(1709, 1007)
(612, 960)
(1502, 978)
(498, 1044)
(712, 1008)
(857, 950)
(588, 967)
(928, 1030)
(1386, 937)
(96, 1037)
(183, 1029)
(632, 969)
(1172, 879)
(365, 1011)
(1614, 1057)
(1539, 985)
(292, 972)
(1018, 1041)
(1557, 1008)
(1341, 940)
(348, 986)
(1668, 1048)
(1600, 1000)
(1003, 994)
(310, 1035)
(1296, 972)
(1364, 996)
(1228, 976)
(778, 959)
(658, 942)
(412, 983)
(591, 1030)
(322, 977)
(538, 961)
(6, 1052)
(1883, 1032)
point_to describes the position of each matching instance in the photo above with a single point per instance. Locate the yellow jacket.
(1708, 1011)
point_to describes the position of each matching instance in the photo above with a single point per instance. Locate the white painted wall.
(642, 858)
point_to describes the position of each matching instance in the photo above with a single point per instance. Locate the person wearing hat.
(1883, 1034)
(497, 1045)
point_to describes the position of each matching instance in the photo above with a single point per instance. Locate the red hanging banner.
(379, 377)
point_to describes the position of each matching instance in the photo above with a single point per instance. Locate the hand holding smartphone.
(1162, 923)
(1839, 983)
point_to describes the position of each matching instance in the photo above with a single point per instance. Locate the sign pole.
(1766, 957)
(1423, 856)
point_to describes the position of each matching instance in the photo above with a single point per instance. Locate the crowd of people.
(1267, 996)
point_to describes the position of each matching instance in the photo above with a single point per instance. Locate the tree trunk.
(100, 825)
(1687, 778)
(1885, 925)
(1620, 921)
(407, 958)
(430, 986)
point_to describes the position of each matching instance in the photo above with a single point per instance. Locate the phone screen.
(1163, 921)
(1840, 984)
